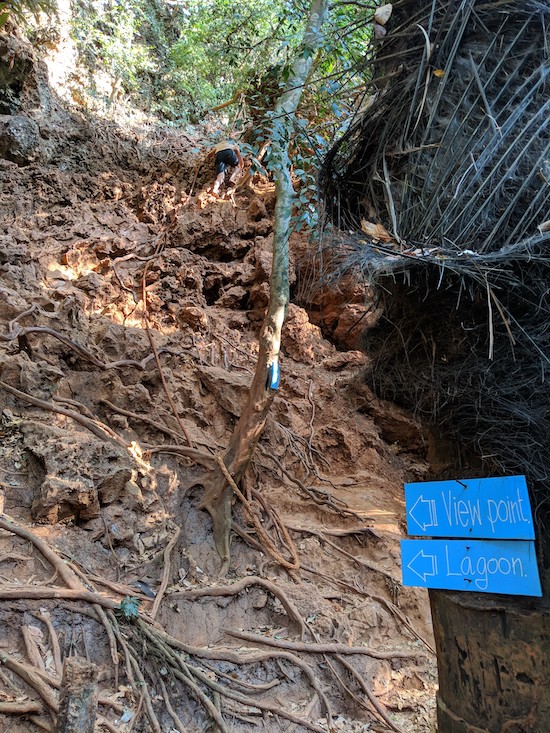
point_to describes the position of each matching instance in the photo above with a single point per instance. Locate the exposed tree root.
(303, 449)
(175, 718)
(252, 515)
(204, 459)
(20, 333)
(151, 657)
(56, 649)
(153, 423)
(94, 426)
(42, 593)
(390, 606)
(359, 561)
(32, 678)
(314, 648)
(382, 712)
(319, 496)
(240, 585)
(31, 647)
(165, 573)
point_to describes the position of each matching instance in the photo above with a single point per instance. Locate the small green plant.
(129, 608)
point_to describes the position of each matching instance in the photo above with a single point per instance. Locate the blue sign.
(484, 508)
(484, 566)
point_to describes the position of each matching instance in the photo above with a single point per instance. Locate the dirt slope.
(93, 218)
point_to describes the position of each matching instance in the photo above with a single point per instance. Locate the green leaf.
(129, 607)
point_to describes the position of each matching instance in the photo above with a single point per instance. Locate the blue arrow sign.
(491, 566)
(483, 508)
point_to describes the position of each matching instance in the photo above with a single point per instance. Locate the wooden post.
(492, 658)
(78, 697)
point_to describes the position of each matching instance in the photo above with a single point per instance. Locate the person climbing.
(226, 153)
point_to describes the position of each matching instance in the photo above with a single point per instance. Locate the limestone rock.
(229, 388)
(78, 468)
(19, 139)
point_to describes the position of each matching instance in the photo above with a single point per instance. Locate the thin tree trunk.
(218, 494)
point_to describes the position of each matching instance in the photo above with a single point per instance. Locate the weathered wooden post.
(78, 698)
(492, 662)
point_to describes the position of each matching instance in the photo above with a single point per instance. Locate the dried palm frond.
(452, 159)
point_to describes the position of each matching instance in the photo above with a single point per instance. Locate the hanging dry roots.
(252, 513)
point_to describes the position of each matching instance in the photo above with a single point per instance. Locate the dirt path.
(87, 459)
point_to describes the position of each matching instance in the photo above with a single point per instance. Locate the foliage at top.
(129, 40)
(179, 58)
(176, 59)
(20, 10)
(224, 45)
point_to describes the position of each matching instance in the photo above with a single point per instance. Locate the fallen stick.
(314, 648)
(110, 727)
(20, 708)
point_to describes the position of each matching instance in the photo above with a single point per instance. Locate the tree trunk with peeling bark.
(218, 494)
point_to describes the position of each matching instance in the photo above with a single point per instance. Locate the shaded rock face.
(19, 73)
(19, 139)
(78, 470)
(15, 66)
(24, 84)
(31, 115)
(342, 310)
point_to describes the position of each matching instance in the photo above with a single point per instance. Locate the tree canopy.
(177, 60)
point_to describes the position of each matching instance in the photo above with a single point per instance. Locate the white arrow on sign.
(426, 513)
(427, 565)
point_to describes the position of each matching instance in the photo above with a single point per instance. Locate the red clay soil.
(93, 219)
